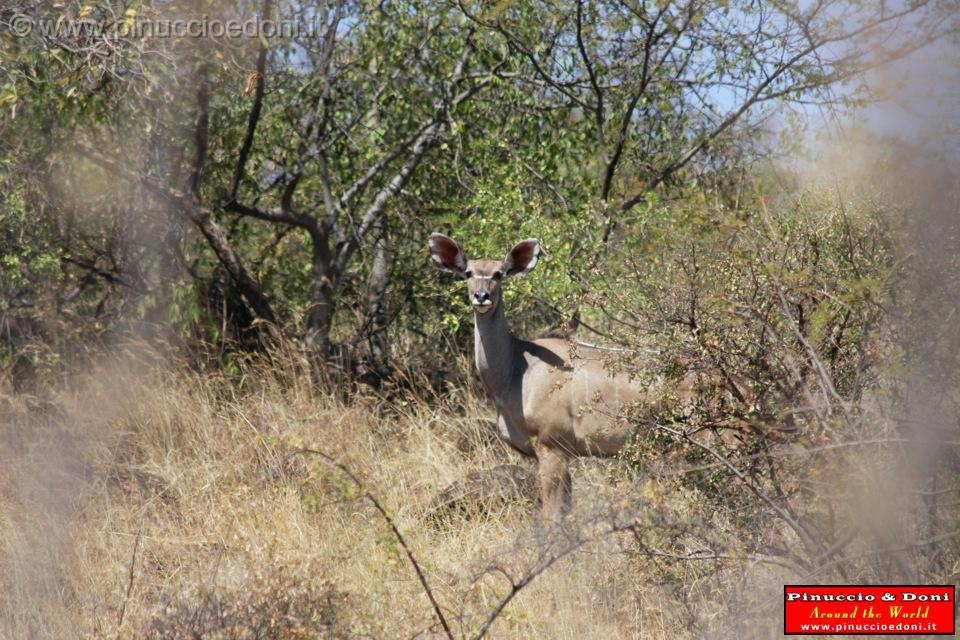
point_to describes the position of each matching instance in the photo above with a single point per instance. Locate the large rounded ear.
(447, 254)
(522, 258)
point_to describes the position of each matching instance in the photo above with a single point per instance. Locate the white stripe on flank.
(598, 347)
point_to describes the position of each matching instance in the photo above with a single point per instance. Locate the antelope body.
(555, 399)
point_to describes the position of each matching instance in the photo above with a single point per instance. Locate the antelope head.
(484, 277)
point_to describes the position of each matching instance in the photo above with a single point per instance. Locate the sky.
(921, 96)
(915, 99)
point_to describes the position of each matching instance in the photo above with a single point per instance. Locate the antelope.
(555, 399)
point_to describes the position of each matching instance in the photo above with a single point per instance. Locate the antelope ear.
(522, 258)
(447, 254)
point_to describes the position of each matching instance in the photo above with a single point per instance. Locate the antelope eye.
(468, 274)
(498, 275)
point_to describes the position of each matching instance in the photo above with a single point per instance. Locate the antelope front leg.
(555, 484)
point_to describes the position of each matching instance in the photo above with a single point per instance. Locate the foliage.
(288, 181)
(766, 291)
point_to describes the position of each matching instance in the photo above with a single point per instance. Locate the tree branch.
(203, 219)
(393, 528)
(254, 118)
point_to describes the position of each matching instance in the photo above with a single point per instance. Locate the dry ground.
(149, 500)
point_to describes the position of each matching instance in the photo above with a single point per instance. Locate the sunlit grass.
(194, 481)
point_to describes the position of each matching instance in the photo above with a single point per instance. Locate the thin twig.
(763, 558)
(130, 575)
(543, 565)
(396, 532)
(812, 544)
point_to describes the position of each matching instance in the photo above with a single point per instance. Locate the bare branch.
(424, 142)
(130, 577)
(814, 547)
(598, 109)
(545, 562)
(393, 528)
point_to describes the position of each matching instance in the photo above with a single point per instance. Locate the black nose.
(481, 296)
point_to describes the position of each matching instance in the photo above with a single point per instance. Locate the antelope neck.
(494, 347)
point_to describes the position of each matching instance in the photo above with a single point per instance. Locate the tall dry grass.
(146, 499)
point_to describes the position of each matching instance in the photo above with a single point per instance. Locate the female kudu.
(555, 398)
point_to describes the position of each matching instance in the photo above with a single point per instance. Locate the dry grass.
(148, 500)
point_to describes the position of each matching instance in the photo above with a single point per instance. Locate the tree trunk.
(376, 303)
(320, 316)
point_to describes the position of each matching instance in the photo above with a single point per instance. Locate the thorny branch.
(813, 545)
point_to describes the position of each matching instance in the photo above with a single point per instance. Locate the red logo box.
(901, 609)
